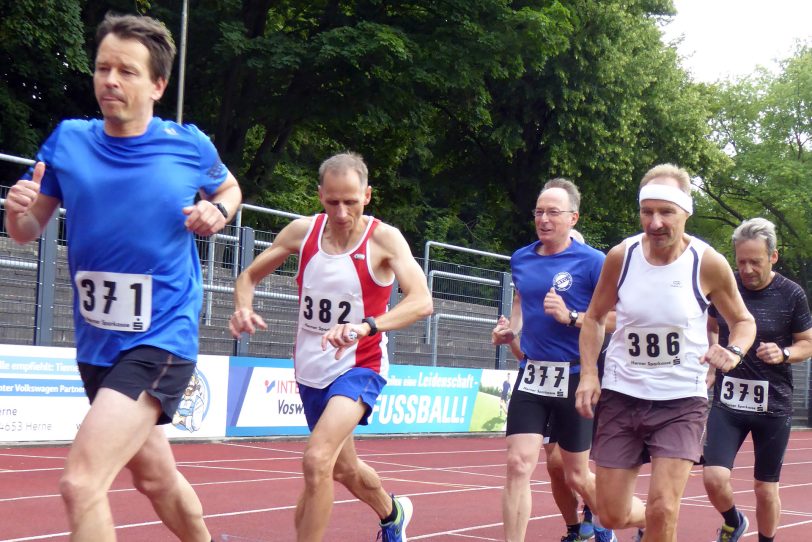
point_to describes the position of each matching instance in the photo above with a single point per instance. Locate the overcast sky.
(729, 38)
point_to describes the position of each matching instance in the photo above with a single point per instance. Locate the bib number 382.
(546, 378)
(745, 395)
(117, 301)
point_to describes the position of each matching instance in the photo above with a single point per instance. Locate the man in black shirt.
(756, 396)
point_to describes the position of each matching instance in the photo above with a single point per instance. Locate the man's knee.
(346, 472)
(716, 479)
(519, 465)
(80, 491)
(317, 465)
(661, 511)
(767, 493)
(613, 515)
(155, 484)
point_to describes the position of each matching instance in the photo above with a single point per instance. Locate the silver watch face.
(785, 350)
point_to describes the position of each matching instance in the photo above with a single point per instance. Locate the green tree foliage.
(764, 124)
(41, 55)
(462, 108)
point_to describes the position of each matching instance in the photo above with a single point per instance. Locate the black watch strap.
(222, 209)
(736, 350)
(373, 327)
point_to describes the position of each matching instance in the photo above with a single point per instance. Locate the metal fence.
(36, 300)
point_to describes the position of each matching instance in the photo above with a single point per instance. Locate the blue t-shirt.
(124, 198)
(574, 274)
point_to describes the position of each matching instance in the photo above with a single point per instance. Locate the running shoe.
(604, 535)
(572, 537)
(395, 531)
(729, 534)
(587, 530)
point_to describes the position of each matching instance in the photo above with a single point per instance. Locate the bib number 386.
(117, 301)
(652, 348)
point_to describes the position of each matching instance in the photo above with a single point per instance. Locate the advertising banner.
(41, 394)
(42, 398)
(202, 410)
(425, 400)
(263, 399)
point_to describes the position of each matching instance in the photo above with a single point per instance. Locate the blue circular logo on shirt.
(562, 281)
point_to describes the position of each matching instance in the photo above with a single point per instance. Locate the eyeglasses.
(551, 213)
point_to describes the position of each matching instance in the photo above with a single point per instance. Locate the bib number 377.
(117, 301)
(546, 378)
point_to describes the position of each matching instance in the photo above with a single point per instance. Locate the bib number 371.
(117, 301)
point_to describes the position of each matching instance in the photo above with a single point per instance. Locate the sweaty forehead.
(114, 47)
(554, 197)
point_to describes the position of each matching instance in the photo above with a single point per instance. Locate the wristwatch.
(222, 209)
(785, 351)
(373, 328)
(736, 350)
(573, 318)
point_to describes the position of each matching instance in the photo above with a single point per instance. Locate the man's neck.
(340, 241)
(126, 129)
(667, 254)
(549, 249)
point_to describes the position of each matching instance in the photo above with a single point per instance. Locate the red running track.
(249, 492)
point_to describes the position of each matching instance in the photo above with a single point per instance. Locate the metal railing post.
(391, 336)
(246, 247)
(46, 284)
(505, 306)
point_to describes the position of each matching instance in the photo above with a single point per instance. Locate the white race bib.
(546, 378)
(118, 301)
(746, 395)
(320, 311)
(653, 347)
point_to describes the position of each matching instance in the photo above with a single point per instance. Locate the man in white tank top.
(654, 400)
(347, 265)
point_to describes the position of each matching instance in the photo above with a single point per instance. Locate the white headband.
(667, 192)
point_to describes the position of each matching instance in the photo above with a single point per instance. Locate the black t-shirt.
(780, 310)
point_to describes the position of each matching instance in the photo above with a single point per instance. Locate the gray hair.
(343, 162)
(569, 187)
(669, 170)
(756, 228)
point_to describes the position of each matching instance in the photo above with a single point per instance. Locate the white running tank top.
(337, 288)
(661, 331)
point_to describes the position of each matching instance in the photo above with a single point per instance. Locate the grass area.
(486, 415)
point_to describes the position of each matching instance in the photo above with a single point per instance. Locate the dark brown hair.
(149, 32)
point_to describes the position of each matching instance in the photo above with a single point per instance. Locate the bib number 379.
(117, 301)
(745, 395)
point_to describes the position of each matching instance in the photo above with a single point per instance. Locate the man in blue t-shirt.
(755, 397)
(128, 184)
(554, 279)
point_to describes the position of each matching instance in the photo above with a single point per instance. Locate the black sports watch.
(373, 328)
(573, 318)
(785, 351)
(222, 209)
(736, 350)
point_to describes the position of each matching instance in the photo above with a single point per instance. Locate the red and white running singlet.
(337, 289)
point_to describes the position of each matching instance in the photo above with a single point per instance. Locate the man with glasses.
(554, 279)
